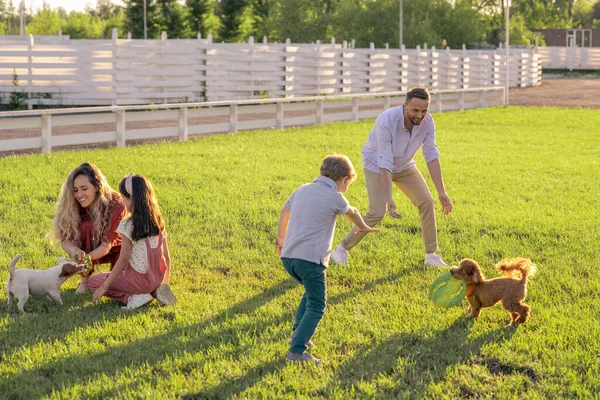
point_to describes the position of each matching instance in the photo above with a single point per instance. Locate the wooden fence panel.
(59, 71)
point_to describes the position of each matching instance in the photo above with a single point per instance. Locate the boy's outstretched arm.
(353, 215)
(284, 219)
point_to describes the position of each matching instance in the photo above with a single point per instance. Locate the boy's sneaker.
(137, 300)
(340, 255)
(433, 260)
(164, 295)
(304, 357)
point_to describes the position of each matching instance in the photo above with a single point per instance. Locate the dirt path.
(559, 93)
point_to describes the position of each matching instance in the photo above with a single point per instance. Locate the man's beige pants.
(413, 185)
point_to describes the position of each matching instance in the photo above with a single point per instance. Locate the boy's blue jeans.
(312, 305)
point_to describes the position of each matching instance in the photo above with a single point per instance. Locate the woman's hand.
(98, 293)
(78, 255)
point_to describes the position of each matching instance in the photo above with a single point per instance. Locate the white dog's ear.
(62, 260)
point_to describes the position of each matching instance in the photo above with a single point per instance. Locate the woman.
(88, 214)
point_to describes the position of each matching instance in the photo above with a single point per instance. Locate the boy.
(308, 220)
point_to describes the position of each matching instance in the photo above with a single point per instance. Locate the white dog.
(25, 282)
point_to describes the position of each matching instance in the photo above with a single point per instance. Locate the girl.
(144, 262)
(88, 214)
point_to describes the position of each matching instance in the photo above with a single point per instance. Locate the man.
(388, 157)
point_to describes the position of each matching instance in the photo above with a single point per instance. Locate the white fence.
(45, 129)
(55, 71)
(570, 57)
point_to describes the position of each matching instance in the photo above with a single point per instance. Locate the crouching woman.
(87, 216)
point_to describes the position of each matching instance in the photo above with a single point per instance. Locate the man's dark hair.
(419, 92)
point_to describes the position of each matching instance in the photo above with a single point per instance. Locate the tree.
(134, 18)
(172, 19)
(596, 15)
(583, 16)
(201, 17)
(266, 14)
(237, 20)
(80, 25)
(305, 20)
(3, 16)
(45, 22)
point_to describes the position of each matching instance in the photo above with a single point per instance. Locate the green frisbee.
(447, 291)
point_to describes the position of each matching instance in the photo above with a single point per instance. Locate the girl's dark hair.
(146, 218)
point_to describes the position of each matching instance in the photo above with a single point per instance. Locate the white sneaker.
(340, 255)
(433, 260)
(137, 300)
(164, 295)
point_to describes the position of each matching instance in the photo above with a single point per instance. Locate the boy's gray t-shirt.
(313, 210)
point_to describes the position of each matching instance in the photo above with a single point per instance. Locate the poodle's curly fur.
(510, 290)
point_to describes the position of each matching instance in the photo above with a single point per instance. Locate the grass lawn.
(524, 182)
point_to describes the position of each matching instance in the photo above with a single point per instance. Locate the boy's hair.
(418, 92)
(146, 217)
(337, 166)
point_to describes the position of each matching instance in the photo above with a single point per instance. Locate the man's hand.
(391, 209)
(446, 203)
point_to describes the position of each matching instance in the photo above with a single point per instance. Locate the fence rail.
(45, 129)
(124, 72)
(570, 57)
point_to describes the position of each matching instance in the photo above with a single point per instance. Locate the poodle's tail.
(13, 263)
(525, 265)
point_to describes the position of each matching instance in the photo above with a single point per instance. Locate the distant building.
(570, 37)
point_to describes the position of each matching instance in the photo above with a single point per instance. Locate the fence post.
(29, 70)
(288, 77)
(386, 102)
(163, 39)
(128, 35)
(439, 102)
(371, 81)
(233, 118)
(279, 118)
(121, 127)
(317, 50)
(462, 100)
(418, 66)
(183, 124)
(434, 69)
(46, 133)
(115, 46)
(319, 112)
(355, 109)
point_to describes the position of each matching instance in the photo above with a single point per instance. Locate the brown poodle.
(510, 290)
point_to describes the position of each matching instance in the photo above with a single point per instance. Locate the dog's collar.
(470, 289)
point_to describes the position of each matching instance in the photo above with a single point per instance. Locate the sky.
(68, 5)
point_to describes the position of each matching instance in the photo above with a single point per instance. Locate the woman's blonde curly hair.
(66, 223)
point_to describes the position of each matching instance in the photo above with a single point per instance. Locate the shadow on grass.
(45, 320)
(413, 361)
(59, 375)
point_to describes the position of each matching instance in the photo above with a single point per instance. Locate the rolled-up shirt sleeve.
(383, 138)
(117, 214)
(430, 150)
